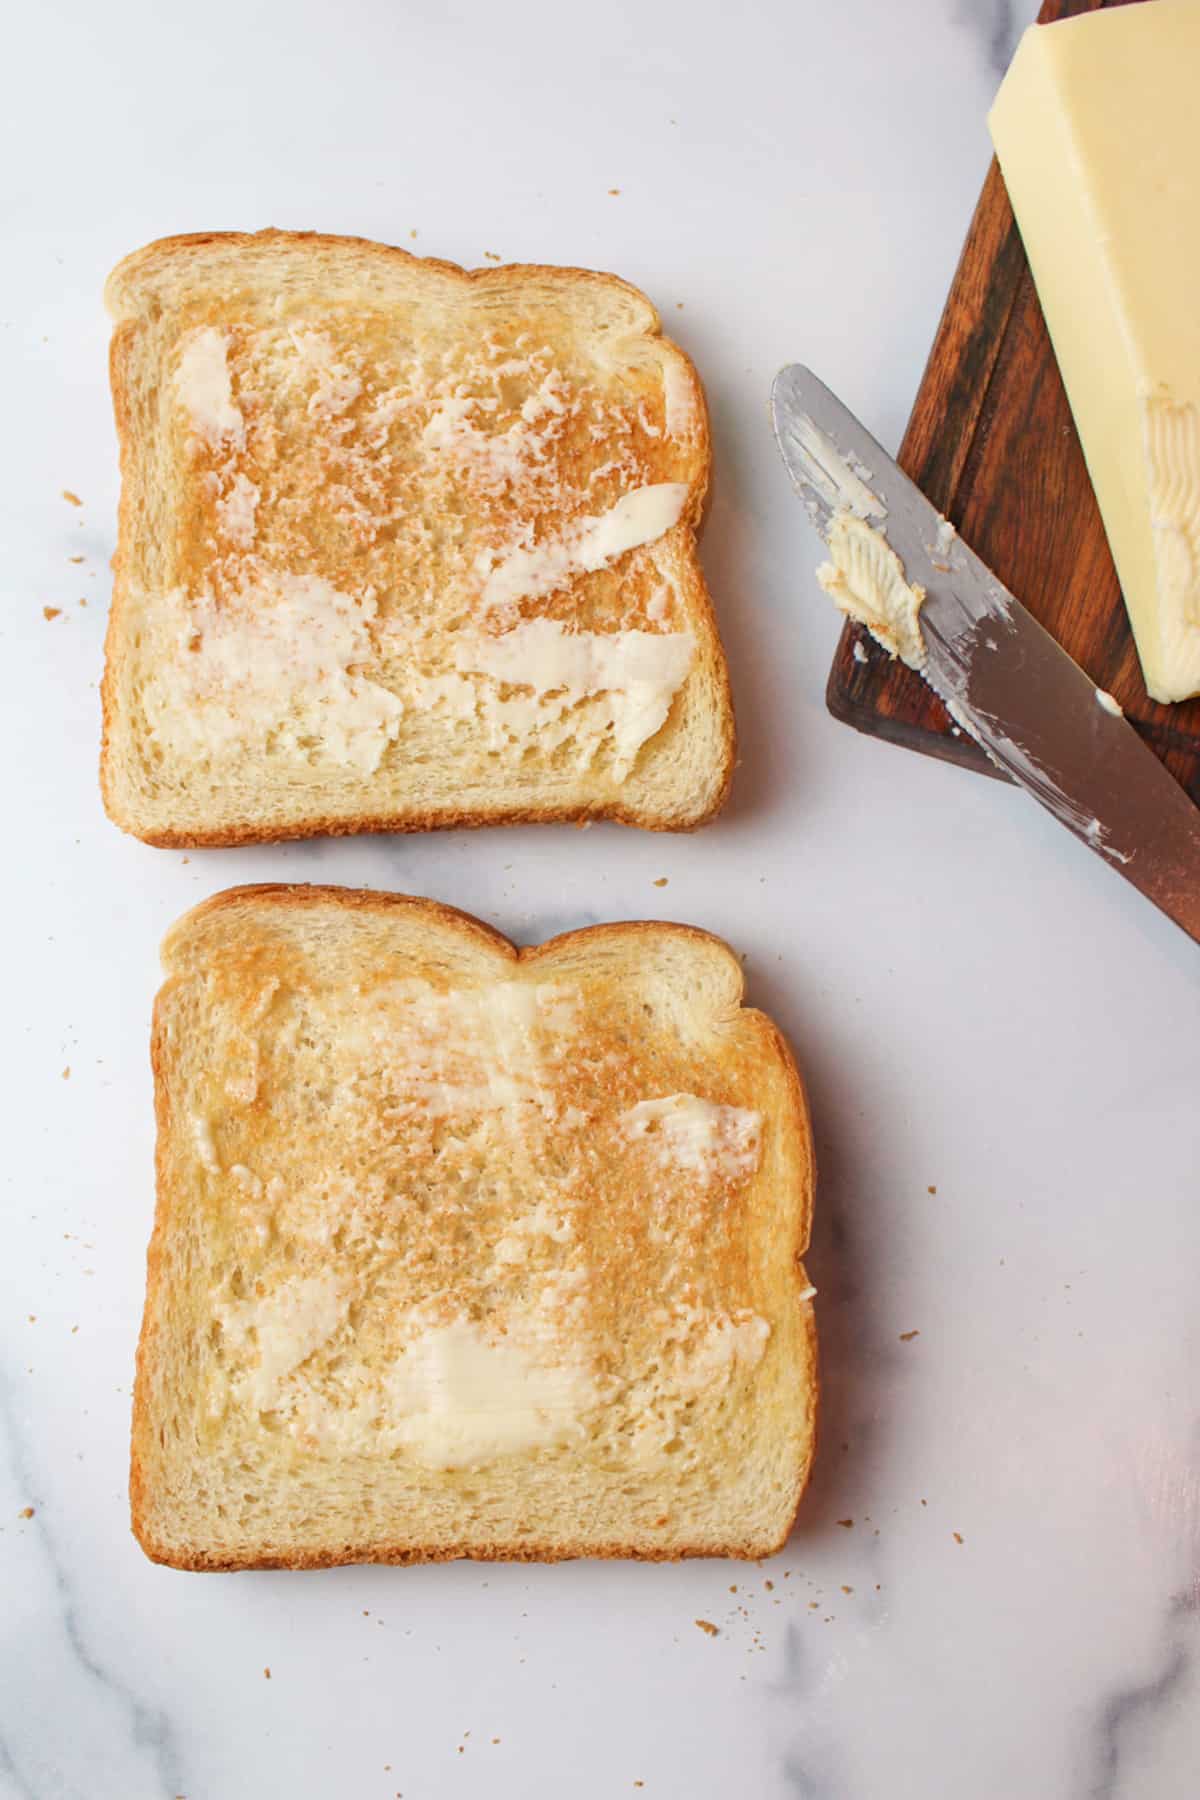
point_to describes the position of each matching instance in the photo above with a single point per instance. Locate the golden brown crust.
(121, 295)
(359, 1553)
(300, 894)
(444, 819)
(793, 1124)
(139, 262)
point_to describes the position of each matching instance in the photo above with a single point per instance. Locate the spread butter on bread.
(402, 546)
(464, 1250)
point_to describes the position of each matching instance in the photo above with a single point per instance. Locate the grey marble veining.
(1128, 1716)
(126, 1746)
(999, 24)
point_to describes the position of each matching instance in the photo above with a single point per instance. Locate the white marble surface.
(982, 1009)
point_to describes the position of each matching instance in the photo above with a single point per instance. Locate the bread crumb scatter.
(906, 1337)
(707, 1626)
(51, 612)
(70, 498)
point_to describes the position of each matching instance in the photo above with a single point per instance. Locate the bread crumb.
(187, 859)
(733, 1589)
(846, 1524)
(933, 1190)
(958, 1537)
(32, 1318)
(82, 601)
(66, 1074)
(847, 1590)
(27, 1512)
(679, 306)
(707, 1626)
(770, 1586)
(492, 257)
(51, 612)
(906, 1337)
(70, 498)
(413, 232)
(267, 1674)
(614, 190)
(662, 881)
(495, 1740)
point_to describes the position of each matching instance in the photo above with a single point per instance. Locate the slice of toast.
(464, 1250)
(402, 546)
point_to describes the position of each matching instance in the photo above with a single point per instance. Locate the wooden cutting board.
(992, 444)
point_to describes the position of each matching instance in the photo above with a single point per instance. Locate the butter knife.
(1005, 680)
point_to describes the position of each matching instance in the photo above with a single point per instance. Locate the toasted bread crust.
(793, 1124)
(126, 297)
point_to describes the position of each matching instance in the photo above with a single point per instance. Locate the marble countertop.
(992, 1589)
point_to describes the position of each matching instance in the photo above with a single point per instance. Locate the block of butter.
(1097, 129)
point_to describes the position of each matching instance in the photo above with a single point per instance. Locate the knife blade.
(1004, 679)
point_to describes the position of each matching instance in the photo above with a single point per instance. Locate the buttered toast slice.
(402, 546)
(463, 1250)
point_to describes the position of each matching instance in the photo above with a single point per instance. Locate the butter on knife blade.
(901, 568)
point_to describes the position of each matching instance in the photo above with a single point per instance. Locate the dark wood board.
(992, 443)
